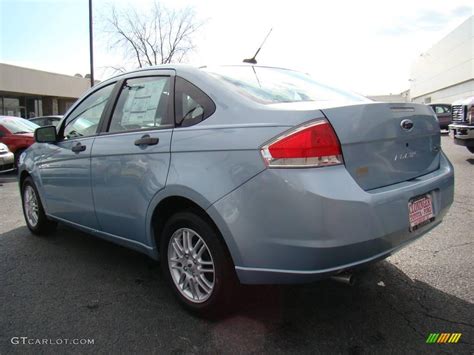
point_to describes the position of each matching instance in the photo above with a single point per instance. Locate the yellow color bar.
(454, 337)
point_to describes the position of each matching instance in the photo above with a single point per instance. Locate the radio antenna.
(253, 60)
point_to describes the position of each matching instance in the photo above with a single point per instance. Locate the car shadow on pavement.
(74, 285)
(8, 177)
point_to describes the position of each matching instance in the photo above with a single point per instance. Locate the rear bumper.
(7, 162)
(307, 224)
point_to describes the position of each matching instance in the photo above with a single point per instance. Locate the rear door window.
(144, 103)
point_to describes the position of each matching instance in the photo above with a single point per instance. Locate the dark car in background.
(443, 112)
(46, 120)
(17, 134)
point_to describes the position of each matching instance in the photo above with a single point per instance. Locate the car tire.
(185, 268)
(17, 157)
(471, 149)
(33, 211)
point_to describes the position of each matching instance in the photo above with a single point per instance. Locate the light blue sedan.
(238, 174)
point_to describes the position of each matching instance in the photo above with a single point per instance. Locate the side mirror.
(46, 134)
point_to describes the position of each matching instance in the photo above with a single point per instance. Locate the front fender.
(29, 165)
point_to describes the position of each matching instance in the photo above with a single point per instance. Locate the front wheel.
(33, 210)
(471, 149)
(197, 264)
(17, 157)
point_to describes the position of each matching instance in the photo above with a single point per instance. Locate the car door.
(130, 160)
(65, 168)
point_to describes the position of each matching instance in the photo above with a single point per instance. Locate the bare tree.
(156, 36)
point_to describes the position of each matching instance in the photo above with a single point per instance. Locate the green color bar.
(432, 338)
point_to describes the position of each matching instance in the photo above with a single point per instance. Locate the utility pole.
(91, 45)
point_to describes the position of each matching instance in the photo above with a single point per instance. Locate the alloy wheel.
(191, 265)
(30, 202)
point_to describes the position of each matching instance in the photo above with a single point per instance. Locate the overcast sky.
(365, 46)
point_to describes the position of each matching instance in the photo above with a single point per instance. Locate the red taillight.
(315, 144)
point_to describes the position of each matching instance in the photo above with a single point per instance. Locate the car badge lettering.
(404, 156)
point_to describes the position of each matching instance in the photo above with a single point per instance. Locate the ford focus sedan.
(239, 174)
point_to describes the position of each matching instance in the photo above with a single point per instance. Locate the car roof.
(188, 68)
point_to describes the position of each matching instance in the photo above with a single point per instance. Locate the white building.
(445, 72)
(401, 97)
(29, 92)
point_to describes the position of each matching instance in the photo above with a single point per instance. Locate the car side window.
(84, 119)
(192, 105)
(143, 103)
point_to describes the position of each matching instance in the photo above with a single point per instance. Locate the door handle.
(78, 148)
(147, 140)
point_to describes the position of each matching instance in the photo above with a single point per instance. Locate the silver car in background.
(239, 174)
(7, 159)
(46, 120)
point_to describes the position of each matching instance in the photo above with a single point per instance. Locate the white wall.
(448, 95)
(388, 98)
(446, 64)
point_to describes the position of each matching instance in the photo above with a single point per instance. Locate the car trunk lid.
(378, 145)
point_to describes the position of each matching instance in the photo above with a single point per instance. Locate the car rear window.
(272, 85)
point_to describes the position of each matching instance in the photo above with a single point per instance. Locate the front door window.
(84, 120)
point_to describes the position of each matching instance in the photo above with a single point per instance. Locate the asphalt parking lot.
(73, 286)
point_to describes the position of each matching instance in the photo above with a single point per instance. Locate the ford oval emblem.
(407, 125)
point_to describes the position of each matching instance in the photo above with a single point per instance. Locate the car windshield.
(18, 125)
(273, 85)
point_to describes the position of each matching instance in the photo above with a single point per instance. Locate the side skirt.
(131, 244)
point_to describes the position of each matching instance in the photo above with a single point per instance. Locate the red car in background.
(17, 133)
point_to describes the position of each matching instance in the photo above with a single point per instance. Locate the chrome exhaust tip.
(345, 278)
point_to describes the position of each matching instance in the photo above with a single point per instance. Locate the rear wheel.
(197, 264)
(471, 149)
(35, 218)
